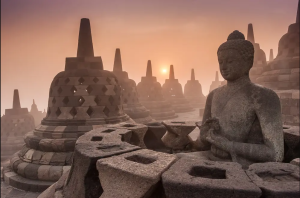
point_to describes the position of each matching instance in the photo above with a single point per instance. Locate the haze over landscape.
(37, 36)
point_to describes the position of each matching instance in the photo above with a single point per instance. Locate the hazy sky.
(37, 36)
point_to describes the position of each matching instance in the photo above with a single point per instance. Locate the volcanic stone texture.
(177, 136)
(195, 178)
(135, 174)
(276, 180)
(193, 92)
(150, 95)
(172, 92)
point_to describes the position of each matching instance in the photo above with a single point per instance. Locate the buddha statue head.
(235, 57)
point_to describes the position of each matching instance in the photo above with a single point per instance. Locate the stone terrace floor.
(10, 192)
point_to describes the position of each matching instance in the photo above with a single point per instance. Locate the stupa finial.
(16, 100)
(217, 76)
(149, 69)
(193, 75)
(171, 74)
(33, 102)
(250, 35)
(85, 43)
(271, 57)
(118, 61)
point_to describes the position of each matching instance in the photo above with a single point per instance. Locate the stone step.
(21, 183)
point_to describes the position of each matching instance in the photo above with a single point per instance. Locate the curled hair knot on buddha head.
(236, 40)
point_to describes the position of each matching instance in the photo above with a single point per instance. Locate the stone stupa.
(131, 104)
(81, 98)
(15, 123)
(216, 83)
(150, 95)
(37, 115)
(282, 74)
(260, 60)
(193, 92)
(271, 56)
(172, 92)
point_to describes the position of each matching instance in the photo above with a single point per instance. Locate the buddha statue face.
(233, 65)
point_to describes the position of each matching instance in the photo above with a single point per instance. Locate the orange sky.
(37, 36)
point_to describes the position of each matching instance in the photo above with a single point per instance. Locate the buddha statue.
(242, 120)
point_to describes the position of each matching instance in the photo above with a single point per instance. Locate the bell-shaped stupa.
(282, 74)
(216, 83)
(15, 123)
(37, 115)
(150, 95)
(193, 92)
(81, 98)
(131, 103)
(260, 60)
(172, 92)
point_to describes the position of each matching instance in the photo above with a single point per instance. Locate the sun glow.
(164, 71)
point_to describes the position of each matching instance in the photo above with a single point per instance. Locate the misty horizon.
(38, 36)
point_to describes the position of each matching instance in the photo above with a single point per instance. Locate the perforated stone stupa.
(15, 123)
(37, 115)
(260, 60)
(131, 104)
(172, 92)
(282, 74)
(193, 92)
(150, 95)
(82, 97)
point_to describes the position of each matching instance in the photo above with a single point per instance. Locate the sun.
(164, 71)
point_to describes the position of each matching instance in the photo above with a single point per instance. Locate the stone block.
(55, 172)
(99, 143)
(196, 178)
(153, 136)
(177, 136)
(43, 172)
(138, 132)
(276, 180)
(135, 174)
(296, 162)
(46, 159)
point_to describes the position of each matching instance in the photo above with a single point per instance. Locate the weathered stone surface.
(100, 143)
(276, 179)
(153, 136)
(292, 141)
(81, 96)
(296, 162)
(242, 121)
(133, 174)
(191, 177)
(177, 137)
(138, 132)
